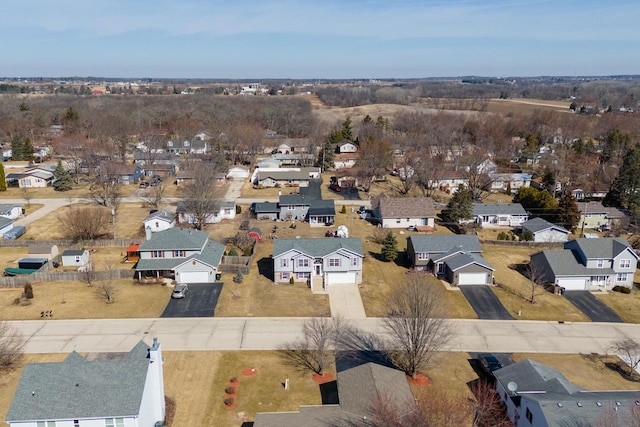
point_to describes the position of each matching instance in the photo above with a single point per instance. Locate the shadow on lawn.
(265, 267)
(401, 261)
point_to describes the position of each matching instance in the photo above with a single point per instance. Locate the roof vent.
(560, 405)
(579, 404)
(33, 393)
(618, 403)
(598, 403)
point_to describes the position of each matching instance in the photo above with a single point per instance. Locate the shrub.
(344, 209)
(527, 236)
(230, 390)
(28, 291)
(17, 301)
(503, 236)
(238, 209)
(228, 401)
(292, 280)
(247, 251)
(621, 289)
(238, 277)
(233, 252)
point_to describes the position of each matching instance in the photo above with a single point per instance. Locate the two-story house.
(306, 208)
(595, 215)
(320, 262)
(125, 391)
(186, 255)
(587, 264)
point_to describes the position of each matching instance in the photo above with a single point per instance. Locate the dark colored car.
(361, 210)
(335, 187)
(489, 362)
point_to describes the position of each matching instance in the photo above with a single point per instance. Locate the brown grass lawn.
(75, 300)
(626, 306)
(10, 256)
(79, 190)
(586, 370)
(517, 288)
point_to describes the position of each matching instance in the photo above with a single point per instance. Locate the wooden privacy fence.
(63, 276)
(549, 245)
(102, 243)
(233, 264)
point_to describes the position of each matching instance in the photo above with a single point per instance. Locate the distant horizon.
(316, 40)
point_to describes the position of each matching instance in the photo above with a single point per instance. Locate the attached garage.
(341, 278)
(572, 284)
(472, 278)
(194, 277)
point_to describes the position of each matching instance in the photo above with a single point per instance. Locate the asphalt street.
(187, 334)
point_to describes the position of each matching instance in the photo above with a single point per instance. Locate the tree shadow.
(623, 371)
(265, 268)
(356, 347)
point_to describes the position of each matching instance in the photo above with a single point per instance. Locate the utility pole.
(113, 220)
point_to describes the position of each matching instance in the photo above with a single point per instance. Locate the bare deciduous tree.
(26, 195)
(416, 323)
(374, 157)
(155, 193)
(106, 190)
(487, 408)
(108, 287)
(201, 193)
(85, 223)
(11, 345)
(314, 350)
(536, 275)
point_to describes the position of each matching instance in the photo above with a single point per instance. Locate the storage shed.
(75, 258)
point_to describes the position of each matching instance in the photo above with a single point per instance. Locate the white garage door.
(194, 277)
(573, 284)
(472, 279)
(341, 278)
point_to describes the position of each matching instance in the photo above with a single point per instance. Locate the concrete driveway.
(201, 301)
(595, 309)
(485, 303)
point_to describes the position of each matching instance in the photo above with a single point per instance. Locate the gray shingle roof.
(308, 416)
(317, 247)
(603, 248)
(5, 209)
(480, 209)
(461, 260)
(174, 239)
(530, 375)
(565, 263)
(535, 225)
(445, 243)
(163, 215)
(211, 254)
(322, 208)
(77, 388)
(73, 252)
(5, 221)
(266, 207)
(284, 175)
(294, 199)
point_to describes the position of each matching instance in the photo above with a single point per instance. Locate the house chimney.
(147, 232)
(156, 377)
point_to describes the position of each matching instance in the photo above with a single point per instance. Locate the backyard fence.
(102, 243)
(549, 245)
(63, 276)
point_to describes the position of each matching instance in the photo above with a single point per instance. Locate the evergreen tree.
(390, 247)
(568, 212)
(624, 191)
(17, 148)
(347, 131)
(460, 206)
(63, 181)
(3, 179)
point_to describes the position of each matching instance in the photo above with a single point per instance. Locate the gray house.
(544, 231)
(537, 395)
(266, 210)
(320, 262)
(294, 206)
(489, 215)
(186, 255)
(587, 264)
(459, 267)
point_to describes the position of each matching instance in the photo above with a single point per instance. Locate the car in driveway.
(335, 187)
(180, 291)
(489, 363)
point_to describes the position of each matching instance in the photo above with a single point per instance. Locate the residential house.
(75, 257)
(184, 177)
(502, 182)
(347, 178)
(293, 207)
(293, 159)
(489, 215)
(536, 395)
(586, 264)
(283, 178)
(402, 212)
(238, 172)
(160, 170)
(346, 146)
(126, 391)
(125, 174)
(266, 210)
(455, 258)
(6, 224)
(31, 178)
(159, 221)
(195, 146)
(544, 231)
(360, 389)
(321, 262)
(345, 160)
(221, 210)
(11, 211)
(597, 191)
(187, 256)
(595, 215)
(321, 212)
(450, 181)
(143, 158)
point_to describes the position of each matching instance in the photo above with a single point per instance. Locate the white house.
(489, 215)
(159, 221)
(117, 392)
(221, 210)
(10, 211)
(75, 258)
(402, 212)
(544, 231)
(321, 262)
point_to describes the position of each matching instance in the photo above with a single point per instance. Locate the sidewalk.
(345, 302)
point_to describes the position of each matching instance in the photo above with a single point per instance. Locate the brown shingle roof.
(404, 207)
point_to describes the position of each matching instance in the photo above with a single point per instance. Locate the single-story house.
(35, 178)
(266, 210)
(321, 262)
(347, 178)
(544, 231)
(594, 215)
(6, 224)
(586, 264)
(360, 389)
(222, 209)
(489, 215)
(272, 176)
(159, 220)
(43, 251)
(536, 395)
(402, 212)
(501, 182)
(346, 146)
(75, 258)
(10, 211)
(184, 177)
(186, 255)
(160, 170)
(450, 181)
(125, 174)
(126, 391)
(238, 172)
(322, 212)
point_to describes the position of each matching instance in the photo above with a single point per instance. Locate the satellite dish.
(513, 387)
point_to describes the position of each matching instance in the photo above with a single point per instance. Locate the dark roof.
(404, 207)
(317, 247)
(464, 259)
(322, 208)
(4, 221)
(211, 254)
(176, 238)
(565, 263)
(78, 388)
(294, 199)
(266, 207)
(73, 252)
(440, 244)
(5, 209)
(536, 225)
(480, 209)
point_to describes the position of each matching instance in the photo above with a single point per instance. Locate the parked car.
(335, 187)
(412, 228)
(361, 210)
(180, 291)
(144, 184)
(489, 363)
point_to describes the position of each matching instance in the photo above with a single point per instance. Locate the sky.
(318, 39)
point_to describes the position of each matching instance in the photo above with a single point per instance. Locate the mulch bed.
(249, 372)
(321, 379)
(420, 380)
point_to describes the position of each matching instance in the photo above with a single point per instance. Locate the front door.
(318, 269)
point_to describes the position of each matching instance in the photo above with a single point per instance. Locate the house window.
(303, 262)
(291, 208)
(423, 256)
(114, 422)
(157, 224)
(179, 254)
(284, 275)
(77, 258)
(303, 276)
(588, 215)
(284, 262)
(157, 254)
(600, 263)
(335, 262)
(47, 424)
(625, 263)
(398, 221)
(354, 261)
(76, 423)
(529, 415)
(621, 277)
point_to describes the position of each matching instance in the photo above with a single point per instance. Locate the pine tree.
(389, 247)
(624, 191)
(63, 181)
(347, 132)
(17, 148)
(460, 206)
(568, 212)
(3, 179)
